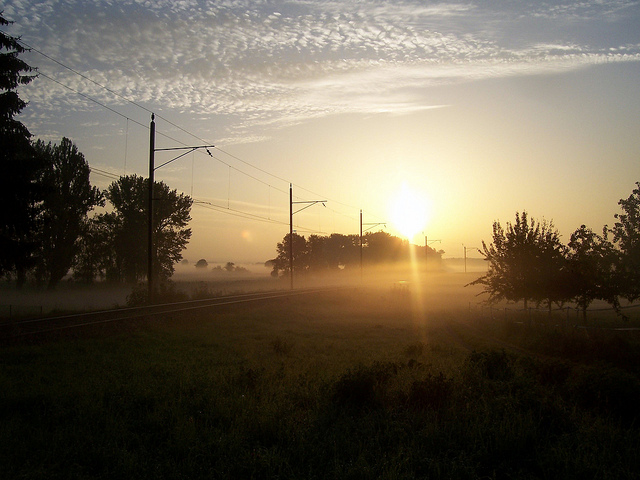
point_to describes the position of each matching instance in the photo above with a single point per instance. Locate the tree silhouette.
(68, 198)
(336, 251)
(591, 268)
(522, 261)
(281, 262)
(202, 263)
(125, 257)
(97, 257)
(626, 236)
(19, 192)
(381, 247)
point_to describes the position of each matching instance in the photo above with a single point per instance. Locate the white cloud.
(274, 62)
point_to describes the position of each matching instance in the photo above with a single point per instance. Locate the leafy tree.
(626, 236)
(382, 247)
(343, 250)
(171, 214)
(68, 198)
(20, 167)
(125, 257)
(96, 256)
(300, 250)
(524, 260)
(202, 263)
(334, 252)
(591, 269)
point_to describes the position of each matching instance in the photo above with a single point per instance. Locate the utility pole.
(426, 249)
(291, 213)
(151, 254)
(361, 272)
(370, 226)
(291, 234)
(465, 255)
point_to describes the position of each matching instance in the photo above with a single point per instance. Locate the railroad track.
(13, 329)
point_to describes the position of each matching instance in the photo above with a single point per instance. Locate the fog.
(432, 288)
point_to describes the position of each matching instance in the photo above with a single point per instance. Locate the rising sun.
(409, 212)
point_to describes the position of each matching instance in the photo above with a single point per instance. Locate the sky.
(457, 114)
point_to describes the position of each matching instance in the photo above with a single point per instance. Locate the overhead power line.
(178, 127)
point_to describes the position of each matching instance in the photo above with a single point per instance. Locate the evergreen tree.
(20, 167)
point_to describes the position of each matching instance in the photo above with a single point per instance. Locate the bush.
(607, 391)
(434, 392)
(494, 365)
(202, 263)
(363, 388)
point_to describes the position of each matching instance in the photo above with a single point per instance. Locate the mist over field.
(445, 282)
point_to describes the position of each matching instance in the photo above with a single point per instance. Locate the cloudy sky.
(469, 110)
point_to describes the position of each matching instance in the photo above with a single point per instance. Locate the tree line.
(326, 253)
(527, 261)
(47, 198)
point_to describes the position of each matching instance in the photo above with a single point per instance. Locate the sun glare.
(409, 212)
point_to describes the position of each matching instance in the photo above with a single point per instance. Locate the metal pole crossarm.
(191, 149)
(291, 214)
(310, 204)
(183, 148)
(373, 225)
(152, 168)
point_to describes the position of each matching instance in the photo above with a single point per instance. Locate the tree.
(300, 250)
(125, 258)
(626, 236)
(381, 247)
(20, 167)
(202, 263)
(523, 261)
(68, 198)
(96, 256)
(591, 269)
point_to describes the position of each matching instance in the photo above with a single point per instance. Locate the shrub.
(202, 263)
(494, 365)
(363, 388)
(606, 390)
(434, 392)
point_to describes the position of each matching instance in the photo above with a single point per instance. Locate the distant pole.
(465, 258)
(361, 274)
(465, 254)
(152, 149)
(291, 234)
(426, 252)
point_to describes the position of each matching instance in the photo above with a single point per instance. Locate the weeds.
(235, 397)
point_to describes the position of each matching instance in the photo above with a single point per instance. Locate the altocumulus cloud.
(272, 62)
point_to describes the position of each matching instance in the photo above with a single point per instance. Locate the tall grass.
(349, 385)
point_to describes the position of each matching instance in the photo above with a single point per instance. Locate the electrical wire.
(138, 105)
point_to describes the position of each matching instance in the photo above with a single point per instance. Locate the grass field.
(357, 383)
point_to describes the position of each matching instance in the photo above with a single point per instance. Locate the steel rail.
(132, 313)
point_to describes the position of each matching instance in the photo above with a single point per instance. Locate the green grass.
(349, 385)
